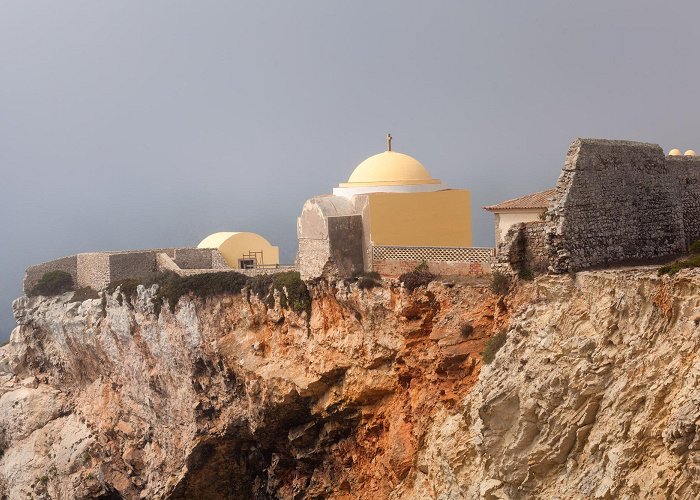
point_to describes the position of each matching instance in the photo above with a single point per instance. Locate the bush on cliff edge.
(292, 289)
(692, 261)
(420, 276)
(53, 283)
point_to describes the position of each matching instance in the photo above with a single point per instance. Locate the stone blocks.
(615, 202)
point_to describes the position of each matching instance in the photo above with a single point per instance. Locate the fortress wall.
(524, 247)
(193, 258)
(218, 261)
(615, 202)
(687, 172)
(34, 273)
(534, 236)
(93, 270)
(132, 264)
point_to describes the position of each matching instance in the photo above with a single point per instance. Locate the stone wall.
(132, 264)
(98, 269)
(194, 258)
(615, 201)
(524, 248)
(34, 273)
(330, 236)
(345, 235)
(93, 270)
(686, 171)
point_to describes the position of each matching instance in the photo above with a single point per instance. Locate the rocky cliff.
(378, 393)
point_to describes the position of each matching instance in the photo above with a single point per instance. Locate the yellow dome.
(389, 169)
(690, 152)
(674, 152)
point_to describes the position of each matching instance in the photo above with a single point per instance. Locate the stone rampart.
(98, 269)
(615, 201)
(93, 270)
(34, 273)
(194, 258)
(686, 171)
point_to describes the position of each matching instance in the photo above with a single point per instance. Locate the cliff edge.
(376, 393)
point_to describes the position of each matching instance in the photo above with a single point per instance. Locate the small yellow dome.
(674, 152)
(389, 169)
(690, 152)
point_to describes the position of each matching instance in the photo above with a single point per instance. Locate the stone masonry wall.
(615, 201)
(194, 258)
(524, 247)
(686, 171)
(130, 265)
(96, 270)
(93, 270)
(34, 273)
(345, 235)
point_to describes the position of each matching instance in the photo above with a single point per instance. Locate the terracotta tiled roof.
(534, 200)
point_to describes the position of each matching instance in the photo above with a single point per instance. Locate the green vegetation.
(692, 261)
(420, 276)
(83, 294)
(172, 286)
(526, 274)
(671, 269)
(293, 291)
(694, 247)
(493, 345)
(367, 281)
(53, 283)
(466, 329)
(500, 283)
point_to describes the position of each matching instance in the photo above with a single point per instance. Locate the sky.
(142, 124)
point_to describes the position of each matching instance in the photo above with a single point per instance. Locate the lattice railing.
(433, 254)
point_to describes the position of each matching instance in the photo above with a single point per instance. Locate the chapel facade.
(390, 215)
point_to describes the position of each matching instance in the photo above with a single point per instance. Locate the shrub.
(694, 247)
(53, 283)
(369, 274)
(127, 287)
(466, 329)
(83, 294)
(293, 291)
(493, 345)
(526, 274)
(365, 283)
(420, 276)
(671, 269)
(172, 287)
(500, 283)
(261, 286)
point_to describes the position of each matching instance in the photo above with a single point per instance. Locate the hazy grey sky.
(137, 124)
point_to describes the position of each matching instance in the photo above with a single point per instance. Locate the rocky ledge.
(377, 393)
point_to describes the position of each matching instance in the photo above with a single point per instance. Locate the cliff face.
(378, 394)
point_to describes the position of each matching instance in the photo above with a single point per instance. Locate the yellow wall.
(234, 245)
(439, 218)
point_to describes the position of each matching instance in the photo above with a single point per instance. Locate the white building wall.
(504, 220)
